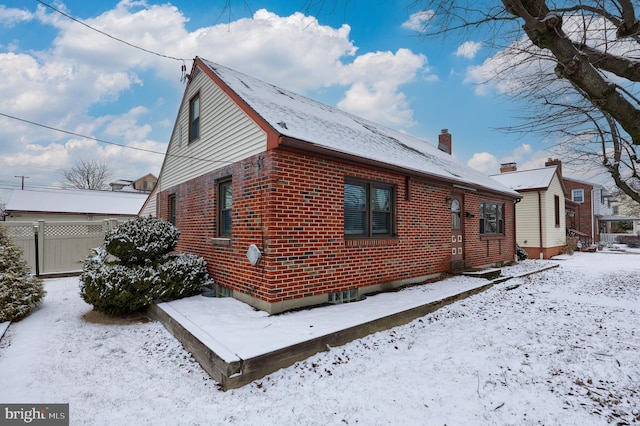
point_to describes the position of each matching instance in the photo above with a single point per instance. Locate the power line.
(109, 35)
(188, 157)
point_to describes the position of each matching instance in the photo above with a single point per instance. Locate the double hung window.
(491, 218)
(194, 118)
(369, 209)
(225, 201)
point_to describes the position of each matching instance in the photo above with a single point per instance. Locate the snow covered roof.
(76, 201)
(303, 119)
(527, 179)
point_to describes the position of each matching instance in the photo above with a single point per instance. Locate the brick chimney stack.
(508, 167)
(444, 141)
(554, 162)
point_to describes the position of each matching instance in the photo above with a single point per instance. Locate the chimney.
(508, 167)
(554, 162)
(444, 141)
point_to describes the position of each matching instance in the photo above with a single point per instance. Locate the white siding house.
(540, 214)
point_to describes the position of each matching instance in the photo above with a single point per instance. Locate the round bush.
(20, 292)
(141, 240)
(182, 275)
(115, 288)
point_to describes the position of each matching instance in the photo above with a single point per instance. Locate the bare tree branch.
(575, 63)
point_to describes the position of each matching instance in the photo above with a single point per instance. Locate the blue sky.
(364, 57)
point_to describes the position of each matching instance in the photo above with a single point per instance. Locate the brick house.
(541, 227)
(294, 203)
(589, 207)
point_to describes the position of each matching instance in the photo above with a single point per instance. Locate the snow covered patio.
(237, 344)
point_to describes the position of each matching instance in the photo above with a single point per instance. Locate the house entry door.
(457, 239)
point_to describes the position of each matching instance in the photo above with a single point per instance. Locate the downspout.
(540, 223)
(515, 234)
(593, 219)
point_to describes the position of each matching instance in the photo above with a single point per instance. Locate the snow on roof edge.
(311, 122)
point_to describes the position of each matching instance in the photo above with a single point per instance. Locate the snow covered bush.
(135, 268)
(20, 292)
(631, 241)
(182, 275)
(522, 255)
(141, 240)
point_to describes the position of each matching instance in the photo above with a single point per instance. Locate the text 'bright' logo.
(52, 414)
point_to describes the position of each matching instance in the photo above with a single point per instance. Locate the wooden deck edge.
(262, 365)
(219, 369)
(237, 374)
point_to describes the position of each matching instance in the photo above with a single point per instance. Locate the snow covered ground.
(561, 348)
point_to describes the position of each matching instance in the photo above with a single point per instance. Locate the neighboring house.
(591, 213)
(144, 184)
(626, 211)
(294, 203)
(71, 204)
(540, 214)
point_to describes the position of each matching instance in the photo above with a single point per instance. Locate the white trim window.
(577, 195)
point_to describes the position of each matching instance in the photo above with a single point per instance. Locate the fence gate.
(62, 246)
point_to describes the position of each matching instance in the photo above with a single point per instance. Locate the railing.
(58, 247)
(610, 238)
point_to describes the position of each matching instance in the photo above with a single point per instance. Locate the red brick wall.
(291, 206)
(583, 219)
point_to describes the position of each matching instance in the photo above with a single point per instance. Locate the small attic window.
(194, 117)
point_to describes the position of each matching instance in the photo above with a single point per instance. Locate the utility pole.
(23, 178)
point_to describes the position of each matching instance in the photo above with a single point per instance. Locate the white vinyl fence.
(61, 246)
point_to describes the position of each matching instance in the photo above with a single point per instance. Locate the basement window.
(222, 291)
(344, 296)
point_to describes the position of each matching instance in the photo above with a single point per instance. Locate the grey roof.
(320, 125)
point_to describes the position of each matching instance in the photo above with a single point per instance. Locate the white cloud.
(523, 155)
(379, 103)
(11, 16)
(375, 79)
(484, 162)
(419, 20)
(468, 49)
(84, 71)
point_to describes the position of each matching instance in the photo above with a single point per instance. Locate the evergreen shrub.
(20, 292)
(521, 253)
(136, 267)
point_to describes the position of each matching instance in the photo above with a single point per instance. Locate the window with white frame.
(225, 205)
(577, 195)
(194, 118)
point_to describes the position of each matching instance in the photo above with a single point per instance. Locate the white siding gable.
(227, 135)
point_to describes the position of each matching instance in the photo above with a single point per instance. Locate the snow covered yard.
(557, 348)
